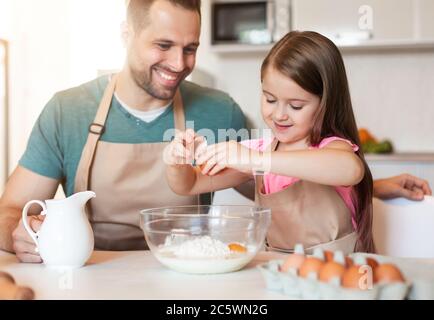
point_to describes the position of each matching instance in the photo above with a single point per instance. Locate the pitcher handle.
(33, 235)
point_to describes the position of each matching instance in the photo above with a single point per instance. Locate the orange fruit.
(366, 136)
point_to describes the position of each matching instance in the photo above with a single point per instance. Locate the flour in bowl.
(202, 247)
(202, 255)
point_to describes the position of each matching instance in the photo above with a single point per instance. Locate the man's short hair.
(138, 10)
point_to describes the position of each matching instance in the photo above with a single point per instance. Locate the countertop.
(138, 275)
(402, 157)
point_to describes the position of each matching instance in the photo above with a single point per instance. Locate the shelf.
(240, 48)
(367, 45)
(401, 157)
(387, 45)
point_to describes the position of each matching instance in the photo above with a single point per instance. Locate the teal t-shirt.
(60, 133)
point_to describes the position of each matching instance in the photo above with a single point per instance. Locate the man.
(107, 135)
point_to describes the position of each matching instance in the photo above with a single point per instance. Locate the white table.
(137, 275)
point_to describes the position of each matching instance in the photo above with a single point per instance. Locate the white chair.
(231, 197)
(404, 228)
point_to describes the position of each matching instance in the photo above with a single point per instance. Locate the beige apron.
(126, 178)
(308, 213)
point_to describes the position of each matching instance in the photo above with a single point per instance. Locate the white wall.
(95, 39)
(5, 26)
(5, 18)
(38, 57)
(55, 44)
(392, 91)
(393, 94)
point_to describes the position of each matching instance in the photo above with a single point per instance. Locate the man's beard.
(144, 81)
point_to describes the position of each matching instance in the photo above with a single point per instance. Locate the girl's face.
(287, 108)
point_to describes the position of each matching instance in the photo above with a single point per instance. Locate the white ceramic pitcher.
(66, 237)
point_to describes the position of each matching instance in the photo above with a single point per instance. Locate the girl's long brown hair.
(316, 65)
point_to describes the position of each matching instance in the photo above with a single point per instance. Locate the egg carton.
(295, 287)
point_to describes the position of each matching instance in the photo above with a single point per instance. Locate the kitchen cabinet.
(425, 15)
(368, 23)
(358, 24)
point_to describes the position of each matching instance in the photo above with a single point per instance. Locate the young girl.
(316, 181)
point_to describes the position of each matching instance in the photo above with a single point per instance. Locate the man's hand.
(404, 185)
(181, 150)
(23, 244)
(22, 186)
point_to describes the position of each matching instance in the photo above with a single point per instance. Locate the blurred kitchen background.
(387, 45)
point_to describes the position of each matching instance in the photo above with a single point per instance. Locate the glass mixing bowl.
(205, 239)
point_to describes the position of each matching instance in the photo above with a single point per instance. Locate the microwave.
(249, 21)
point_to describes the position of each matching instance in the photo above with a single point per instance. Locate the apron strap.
(259, 179)
(97, 128)
(273, 145)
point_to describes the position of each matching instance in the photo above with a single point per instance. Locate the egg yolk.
(237, 247)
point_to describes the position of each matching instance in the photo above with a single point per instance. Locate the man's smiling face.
(163, 52)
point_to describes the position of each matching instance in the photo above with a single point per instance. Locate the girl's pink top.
(274, 183)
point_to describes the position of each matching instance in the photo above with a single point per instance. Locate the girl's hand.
(217, 157)
(181, 150)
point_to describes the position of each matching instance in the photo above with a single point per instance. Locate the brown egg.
(331, 270)
(372, 263)
(348, 262)
(328, 256)
(310, 265)
(294, 261)
(386, 273)
(356, 277)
